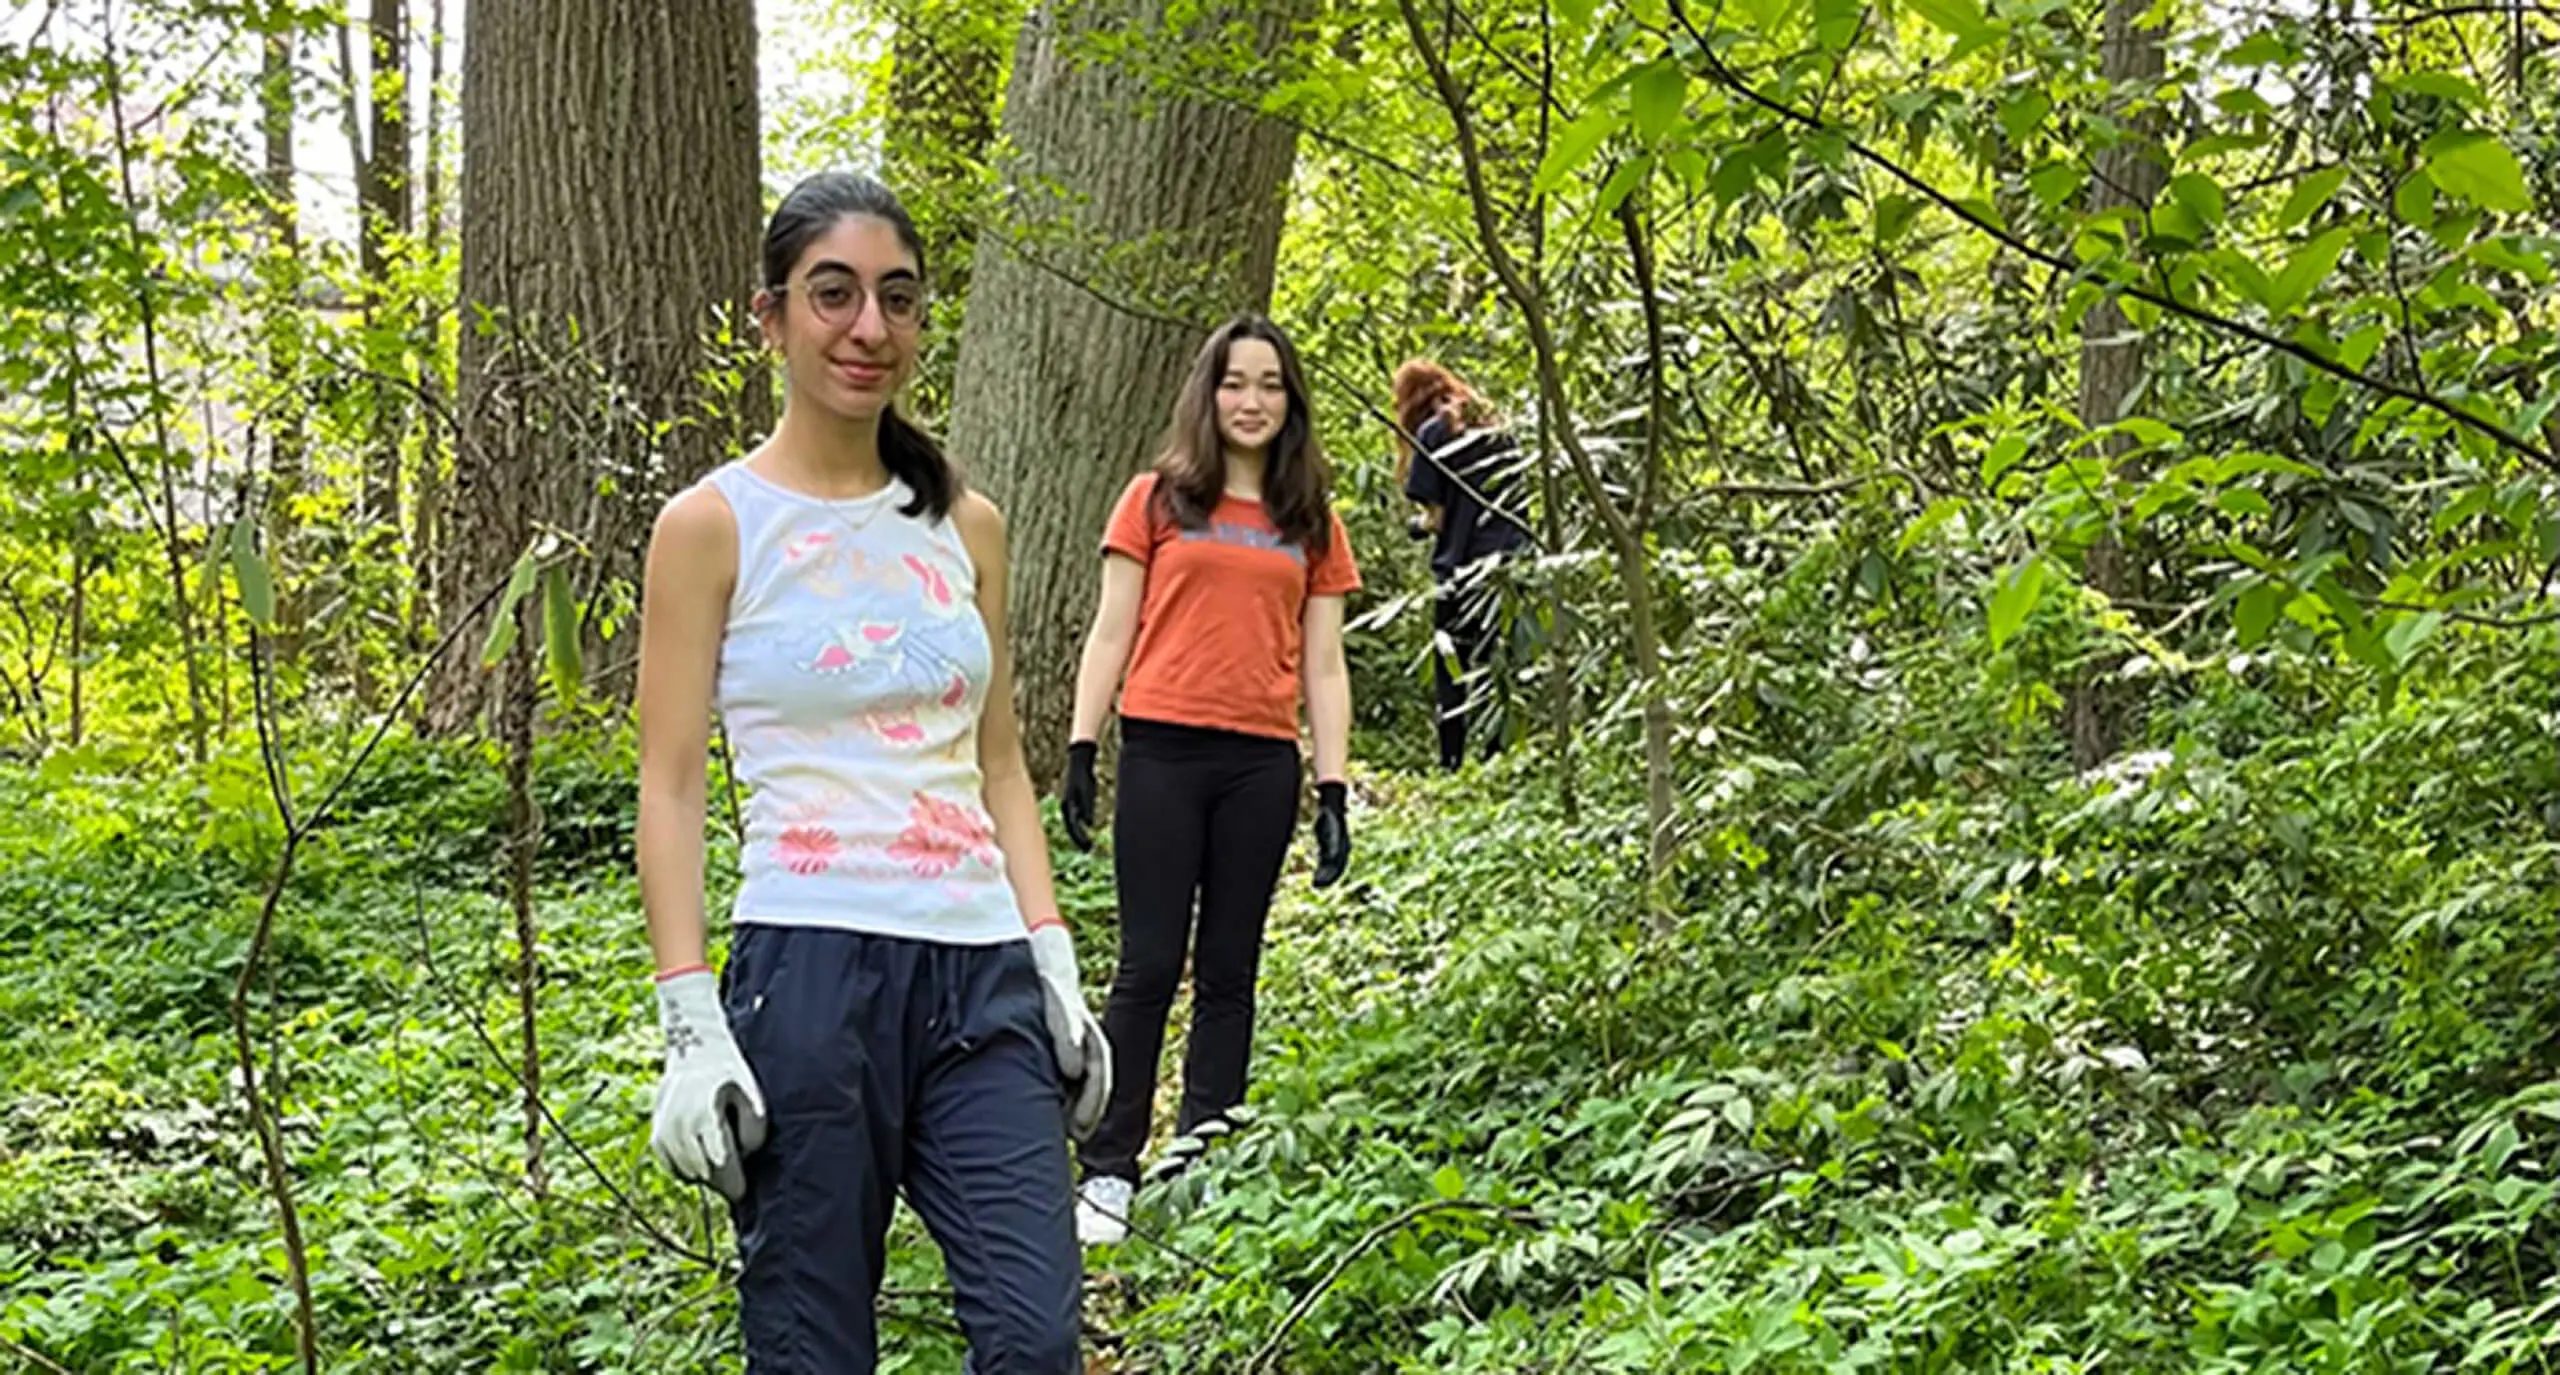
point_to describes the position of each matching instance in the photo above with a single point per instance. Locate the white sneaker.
(1102, 1210)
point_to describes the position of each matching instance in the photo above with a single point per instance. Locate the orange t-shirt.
(1220, 630)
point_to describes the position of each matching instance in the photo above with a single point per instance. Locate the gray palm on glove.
(1084, 1054)
(710, 1113)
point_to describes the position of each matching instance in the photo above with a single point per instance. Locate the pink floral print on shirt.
(940, 835)
(807, 850)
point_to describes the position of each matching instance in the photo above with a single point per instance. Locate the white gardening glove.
(710, 1112)
(1084, 1057)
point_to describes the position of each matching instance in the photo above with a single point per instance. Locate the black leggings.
(1205, 816)
(1468, 616)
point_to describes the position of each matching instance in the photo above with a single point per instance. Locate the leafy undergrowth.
(2239, 1059)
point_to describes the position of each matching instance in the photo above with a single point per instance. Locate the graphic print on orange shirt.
(1221, 627)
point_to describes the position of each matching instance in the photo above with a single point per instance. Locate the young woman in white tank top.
(900, 1011)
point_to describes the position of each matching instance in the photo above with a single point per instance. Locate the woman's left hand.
(1084, 1054)
(1333, 833)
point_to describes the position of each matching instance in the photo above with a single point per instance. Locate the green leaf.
(2244, 501)
(1657, 95)
(1894, 215)
(2264, 48)
(2309, 194)
(2479, 169)
(502, 623)
(2016, 597)
(2174, 226)
(2510, 255)
(2004, 455)
(2024, 113)
(2409, 632)
(2309, 267)
(2442, 86)
(1623, 182)
(2414, 200)
(1939, 513)
(1576, 12)
(2200, 194)
(1963, 18)
(560, 641)
(2238, 274)
(2361, 346)
(2251, 461)
(249, 570)
(2056, 184)
(2255, 612)
(1573, 148)
(1447, 1182)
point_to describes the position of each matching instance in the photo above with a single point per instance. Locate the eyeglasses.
(836, 298)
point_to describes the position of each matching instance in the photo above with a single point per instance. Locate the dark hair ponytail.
(815, 206)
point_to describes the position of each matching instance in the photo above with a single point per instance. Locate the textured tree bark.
(610, 207)
(1126, 211)
(2112, 358)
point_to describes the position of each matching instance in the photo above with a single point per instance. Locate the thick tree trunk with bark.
(1132, 219)
(2113, 355)
(610, 208)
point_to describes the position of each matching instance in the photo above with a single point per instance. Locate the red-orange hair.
(1424, 389)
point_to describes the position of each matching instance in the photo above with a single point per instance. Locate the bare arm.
(1107, 645)
(1327, 680)
(1011, 802)
(684, 608)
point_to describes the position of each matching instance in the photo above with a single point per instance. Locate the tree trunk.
(382, 192)
(946, 74)
(1070, 360)
(946, 70)
(430, 493)
(610, 201)
(2113, 356)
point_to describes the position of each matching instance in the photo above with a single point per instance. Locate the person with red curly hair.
(1455, 459)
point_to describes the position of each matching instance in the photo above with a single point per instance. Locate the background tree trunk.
(610, 207)
(1124, 211)
(946, 73)
(946, 76)
(382, 190)
(2113, 356)
(428, 504)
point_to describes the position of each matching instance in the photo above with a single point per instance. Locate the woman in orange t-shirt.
(1223, 578)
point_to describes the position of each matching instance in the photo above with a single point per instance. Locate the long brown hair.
(1423, 390)
(1297, 481)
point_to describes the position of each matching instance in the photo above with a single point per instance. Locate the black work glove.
(1075, 796)
(1333, 833)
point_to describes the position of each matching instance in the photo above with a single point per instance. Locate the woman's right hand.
(711, 1114)
(1076, 795)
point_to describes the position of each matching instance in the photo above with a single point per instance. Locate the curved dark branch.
(1722, 74)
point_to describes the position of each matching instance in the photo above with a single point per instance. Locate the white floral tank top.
(851, 676)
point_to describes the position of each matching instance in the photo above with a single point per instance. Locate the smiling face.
(1253, 396)
(846, 320)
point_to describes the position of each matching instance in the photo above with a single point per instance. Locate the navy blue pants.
(892, 1064)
